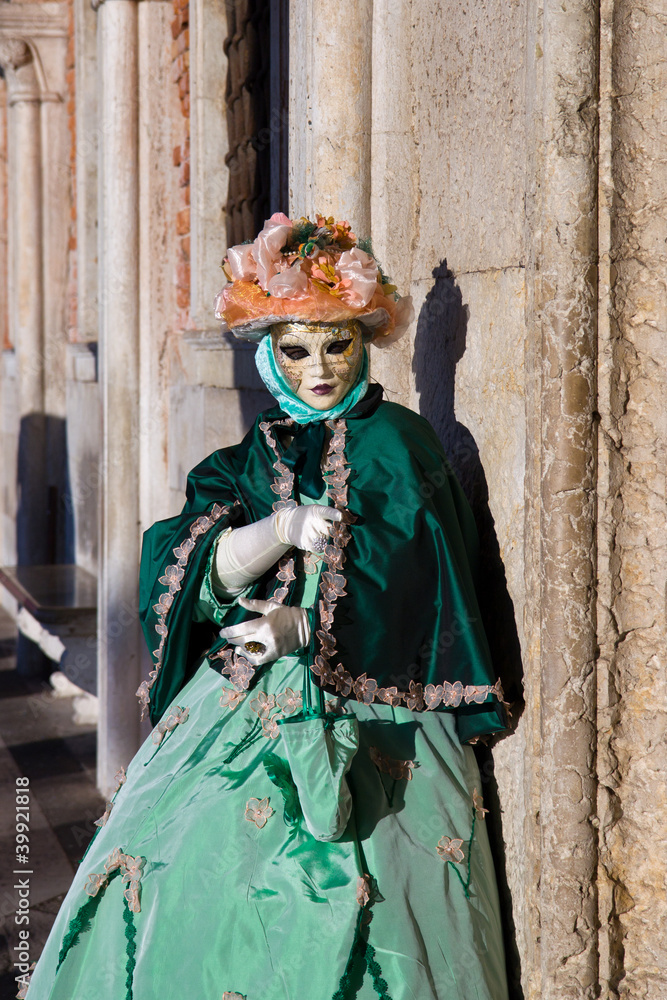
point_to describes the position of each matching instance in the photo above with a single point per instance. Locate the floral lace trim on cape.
(172, 577)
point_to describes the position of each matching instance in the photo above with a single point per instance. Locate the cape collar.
(304, 454)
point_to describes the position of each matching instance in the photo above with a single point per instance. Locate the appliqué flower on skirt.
(230, 698)
(450, 849)
(175, 718)
(322, 670)
(452, 694)
(433, 694)
(263, 704)
(172, 577)
(257, 811)
(240, 673)
(115, 860)
(120, 777)
(363, 890)
(476, 693)
(95, 883)
(132, 869)
(396, 769)
(478, 804)
(290, 701)
(270, 728)
(233, 996)
(343, 680)
(105, 815)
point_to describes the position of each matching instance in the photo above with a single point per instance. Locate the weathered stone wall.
(448, 211)
(490, 190)
(632, 689)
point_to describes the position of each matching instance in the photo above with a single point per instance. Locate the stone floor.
(39, 741)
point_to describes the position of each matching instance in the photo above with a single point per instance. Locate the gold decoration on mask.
(318, 361)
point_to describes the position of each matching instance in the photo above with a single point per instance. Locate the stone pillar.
(159, 131)
(26, 301)
(565, 310)
(209, 177)
(394, 198)
(330, 110)
(25, 201)
(633, 556)
(119, 636)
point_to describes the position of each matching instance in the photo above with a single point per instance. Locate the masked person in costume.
(305, 821)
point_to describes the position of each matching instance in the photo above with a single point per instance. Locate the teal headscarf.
(275, 381)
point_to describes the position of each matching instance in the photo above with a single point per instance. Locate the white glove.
(281, 630)
(244, 554)
(306, 527)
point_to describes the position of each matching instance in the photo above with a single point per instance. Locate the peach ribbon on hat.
(267, 287)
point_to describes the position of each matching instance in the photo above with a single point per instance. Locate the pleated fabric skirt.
(202, 884)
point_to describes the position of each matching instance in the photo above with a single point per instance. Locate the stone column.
(633, 558)
(25, 204)
(26, 284)
(330, 110)
(119, 636)
(565, 304)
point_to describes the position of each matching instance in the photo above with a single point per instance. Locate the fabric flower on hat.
(307, 271)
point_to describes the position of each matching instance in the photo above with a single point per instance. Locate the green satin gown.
(220, 882)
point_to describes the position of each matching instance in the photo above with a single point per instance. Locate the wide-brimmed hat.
(314, 272)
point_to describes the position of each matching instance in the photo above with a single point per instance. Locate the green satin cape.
(410, 610)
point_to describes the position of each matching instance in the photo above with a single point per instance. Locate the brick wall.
(181, 75)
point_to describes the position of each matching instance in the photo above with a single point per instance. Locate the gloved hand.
(281, 630)
(244, 554)
(307, 527)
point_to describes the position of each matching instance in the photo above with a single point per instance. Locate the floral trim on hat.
(308, 271)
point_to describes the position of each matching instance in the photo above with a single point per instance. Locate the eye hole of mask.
(339, 346)
(295, 353)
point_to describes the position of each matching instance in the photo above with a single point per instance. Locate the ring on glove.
(254, 647)
(320, 543)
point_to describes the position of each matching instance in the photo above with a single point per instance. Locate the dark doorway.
(257, 50)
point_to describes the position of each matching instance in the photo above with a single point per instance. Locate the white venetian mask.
(319, 360)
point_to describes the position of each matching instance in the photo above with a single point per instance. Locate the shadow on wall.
(254, 397)
(440, 343)
(44, 522)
